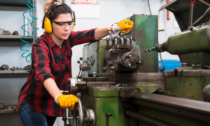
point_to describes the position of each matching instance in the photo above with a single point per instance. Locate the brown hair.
(63, 9)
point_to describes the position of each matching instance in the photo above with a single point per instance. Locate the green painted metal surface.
(101, 61)
(85, 59)
(112, 105)
(110, 91)
(149, 87)
(103, 99)
(195, 58)
(102, 91)
(92, 58)
(145, 33)
(185, 87)
(189, 41)
(96, 50)
(186, 82)
(170, 118)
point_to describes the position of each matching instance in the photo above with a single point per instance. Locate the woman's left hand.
(123, 27)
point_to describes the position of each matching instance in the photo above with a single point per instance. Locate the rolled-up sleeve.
(41, 62)
(81, 37)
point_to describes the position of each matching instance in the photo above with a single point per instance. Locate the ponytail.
(48, 4)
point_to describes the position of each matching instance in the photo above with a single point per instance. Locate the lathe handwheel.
(81, 117)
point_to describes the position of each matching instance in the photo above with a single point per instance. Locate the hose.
(27, 54)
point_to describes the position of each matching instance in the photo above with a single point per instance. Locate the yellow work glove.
(66, 101)
(122, 27)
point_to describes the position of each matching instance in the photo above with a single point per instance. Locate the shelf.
(12, 8)
(14, 74)
(12, 5)
(14, 38)
(5, 111)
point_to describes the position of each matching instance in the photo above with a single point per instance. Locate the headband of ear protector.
(47, 23)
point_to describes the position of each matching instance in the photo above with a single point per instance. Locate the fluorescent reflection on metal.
(80, 112)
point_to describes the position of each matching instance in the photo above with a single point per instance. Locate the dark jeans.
(31, 118)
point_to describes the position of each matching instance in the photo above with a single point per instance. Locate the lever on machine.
(83, 67)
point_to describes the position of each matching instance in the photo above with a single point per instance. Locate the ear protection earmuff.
(74, 19)
(47, 23)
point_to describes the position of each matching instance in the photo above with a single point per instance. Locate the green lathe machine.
(121, 85)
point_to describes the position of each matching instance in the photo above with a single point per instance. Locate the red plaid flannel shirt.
(49, 61)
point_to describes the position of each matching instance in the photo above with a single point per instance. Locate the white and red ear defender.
(47, 23)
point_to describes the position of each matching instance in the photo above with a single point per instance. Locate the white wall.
(111, 11)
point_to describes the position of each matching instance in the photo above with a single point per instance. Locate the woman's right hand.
(67, 101)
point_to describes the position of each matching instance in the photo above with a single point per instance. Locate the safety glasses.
(63, 23)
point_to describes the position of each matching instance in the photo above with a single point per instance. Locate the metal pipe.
(25, 22)
(203, 2)
(65, 118)
(149, 7)
(146, 119)
(191, 16)
(192, 6)
(113, 41)
(168, 13)
(118, 40)
(74, 116)
(131, 40)
(107, 41)
(64, 92)
(125, 40)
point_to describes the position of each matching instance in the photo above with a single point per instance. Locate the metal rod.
(113, 41)
(74, 115)
(146, 119)
(131, 40)
(25, 22)
(203, 2)
(118, 40)
(107, 41)
(168, 13)
(149, 7)
(64, 92)
(192, 5)
(79, 73)
(80, 112)
(71, 118)
(125, 40)
(65, 121)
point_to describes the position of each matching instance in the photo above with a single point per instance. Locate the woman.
(40, 99)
